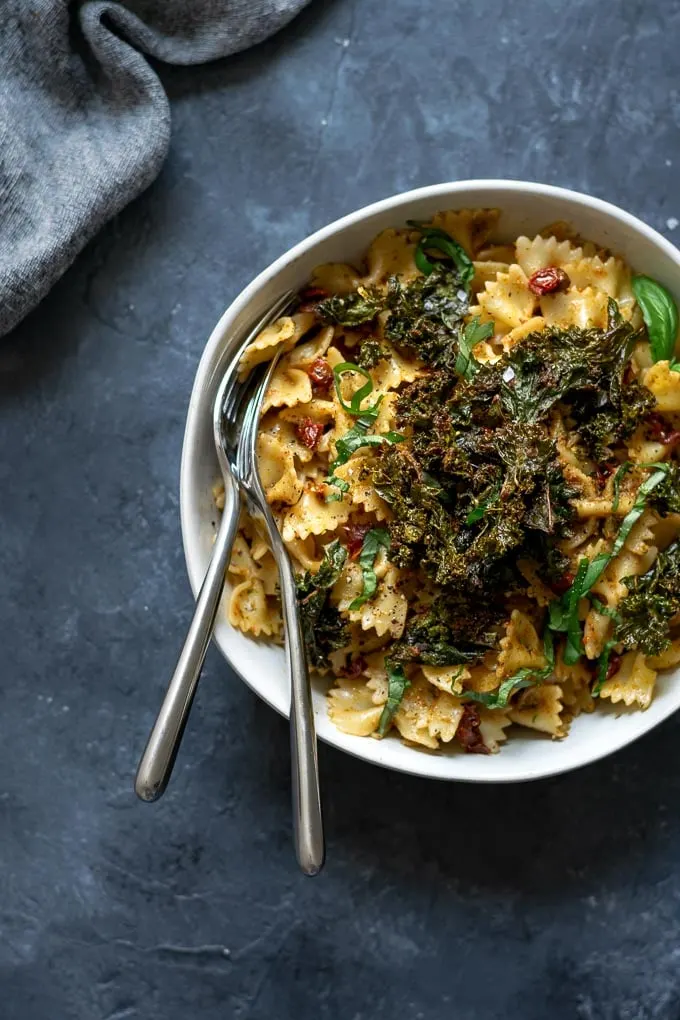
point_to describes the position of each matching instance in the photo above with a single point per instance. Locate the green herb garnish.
(525, 677)
(660, 313)
(323, 629)
(474, 333)
(357, 437)
(374, 540)
(618, 478)
(397, 683)
(434, 239)
(354, 406)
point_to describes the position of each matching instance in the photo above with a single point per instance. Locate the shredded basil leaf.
(434, 239)
(660, 313)
(352, 441)
(474, 333)
(374, 540)
(602, 667)
(618, 478)
(525, 677)
(354, 407)
(397, 683)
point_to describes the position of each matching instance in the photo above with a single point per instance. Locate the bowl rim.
(417, 763)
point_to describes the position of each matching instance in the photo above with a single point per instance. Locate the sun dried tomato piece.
(354, 535)
(614, 666)
(563, 583)
(313, 294)
(662, 431)
(548, 281)
(309, 432)
(320, 374)
(603, 471)
(355, 668)
(468, 734)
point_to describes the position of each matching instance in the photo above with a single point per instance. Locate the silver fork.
(307, 818)
(231, 403)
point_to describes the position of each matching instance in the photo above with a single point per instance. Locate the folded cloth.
(84, 120)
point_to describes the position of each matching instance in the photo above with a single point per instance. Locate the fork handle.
(155, 767)
(307, 818)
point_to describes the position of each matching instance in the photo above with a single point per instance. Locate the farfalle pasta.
(470, 448)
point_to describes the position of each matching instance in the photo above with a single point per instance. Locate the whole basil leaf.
(660, 313)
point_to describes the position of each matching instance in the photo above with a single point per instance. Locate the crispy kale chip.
(353, 309)
(666, 497)
(652, 601)
(431, 640)
(322, 626)
(427, 315)
(371, 352)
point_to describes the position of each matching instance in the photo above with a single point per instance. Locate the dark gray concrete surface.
(559, 899)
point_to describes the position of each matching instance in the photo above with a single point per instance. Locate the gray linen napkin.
(84, 120)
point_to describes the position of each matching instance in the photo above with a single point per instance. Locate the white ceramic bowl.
(526, 208)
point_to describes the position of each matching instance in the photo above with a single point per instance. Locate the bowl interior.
(526, 208)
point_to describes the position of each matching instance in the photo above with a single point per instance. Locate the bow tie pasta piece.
(502, 254)
(665, 385)
(282, 334)
(276, 464)
(348, 586)
(487, 272)
(575, 683)
(492, 726)
(336, 278)
(539, 252)
(483, 677)
(666, 659)
(352, 707)
(540, 708)
(308, 351)
(311, 515)
(386, 612)
(426, 716)
(395, 369)
(573, 307)
(241, 563)
(446, 678)
(507, 300)
(304, 553)
(644, 450)
(520, 647)
(250, 611)
(519, 333)
(472, 228)
(633, 683)
(391, 254)
(288, 387)
(268, 574)
(358, 473)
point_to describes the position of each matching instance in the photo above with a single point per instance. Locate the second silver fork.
(307, 818)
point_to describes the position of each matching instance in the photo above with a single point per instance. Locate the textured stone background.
(558, 899)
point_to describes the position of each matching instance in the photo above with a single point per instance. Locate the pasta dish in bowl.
(469, 445)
